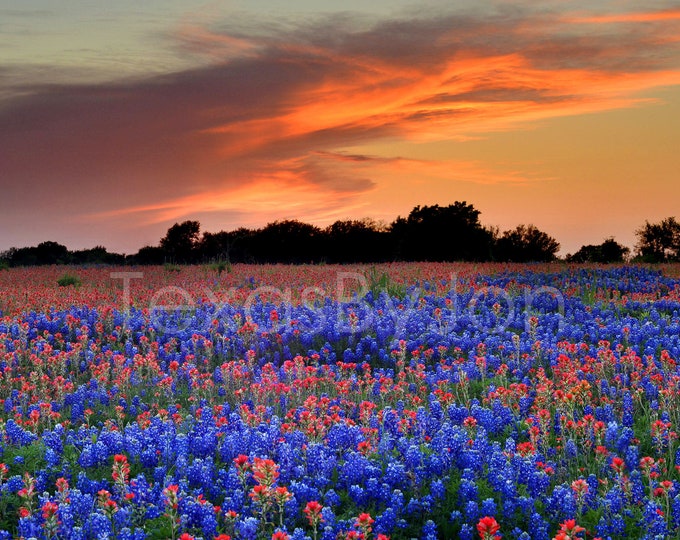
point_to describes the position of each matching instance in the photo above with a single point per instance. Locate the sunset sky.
(118, 119)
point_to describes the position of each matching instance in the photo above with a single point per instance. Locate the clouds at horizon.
(278, 119)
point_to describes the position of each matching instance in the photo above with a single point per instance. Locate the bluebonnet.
(14, 483)
(299, 534)
(538, 527)
(97, 525)
(429, 531)
(538, 483)
(467, 490)
(386, 522)
(331, 498)
(358, 495)
(625, 438)
(17, 435)
(471, 511)
(571, 449)
(627, 403)
(614, 499)
(29, 527)
(654, 524)
(466, 532)
(247, 528)
(304, 492)
(488, 507)
(437, 489)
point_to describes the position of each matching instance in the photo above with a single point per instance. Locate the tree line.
(429, 233)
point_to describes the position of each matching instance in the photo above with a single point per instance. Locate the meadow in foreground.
(402, 401)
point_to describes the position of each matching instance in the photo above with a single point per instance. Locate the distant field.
(387, 401)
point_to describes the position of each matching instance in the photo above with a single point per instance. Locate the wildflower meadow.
(328, 402)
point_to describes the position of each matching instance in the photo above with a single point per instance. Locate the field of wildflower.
(340, 402)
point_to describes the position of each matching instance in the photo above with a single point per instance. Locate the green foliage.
(171, 267)
(159, 528)
(19, 459)
(9, 508)
(4, 265)
(31, 457)
(381, 281)
(68, 280)
(221, 266)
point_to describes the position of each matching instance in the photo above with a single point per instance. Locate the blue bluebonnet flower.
(98, 526)
(627, 404)
(471, 511)
(467, 490)
(18, 436)
(386, 522)
(429, 531)
(331, 498)
(538, 527)
(29, 527)
(571, 449)
(538, 483)
(438, 489)
(466, 532)
(653, 522)
(488, 507)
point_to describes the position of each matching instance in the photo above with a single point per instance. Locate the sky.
(119, 119)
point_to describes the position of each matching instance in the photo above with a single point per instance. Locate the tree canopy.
(526, 243)
(609, 251)
(442, 233)
(428, 233)
(181, 241)
(659, 242)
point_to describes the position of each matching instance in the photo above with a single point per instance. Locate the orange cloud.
(637, 17)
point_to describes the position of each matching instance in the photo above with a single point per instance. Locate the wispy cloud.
(268, 118)
(663, 15)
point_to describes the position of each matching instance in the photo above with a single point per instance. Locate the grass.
(69, 280)
(381, 281)
(221, 266)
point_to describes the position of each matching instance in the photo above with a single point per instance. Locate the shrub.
(221, 266)
(381, 281)
(68, 280)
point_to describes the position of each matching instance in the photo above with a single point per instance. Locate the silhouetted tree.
(608, 251)
(659, 242)
(215, 246)
(358, 241)
(428, 233)
(442, 233)
(525, 243)
(288, 241)
(9, 257)
(181, 241)
(148, 255)
(95, 255)
(51, 253)
(42, 254)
